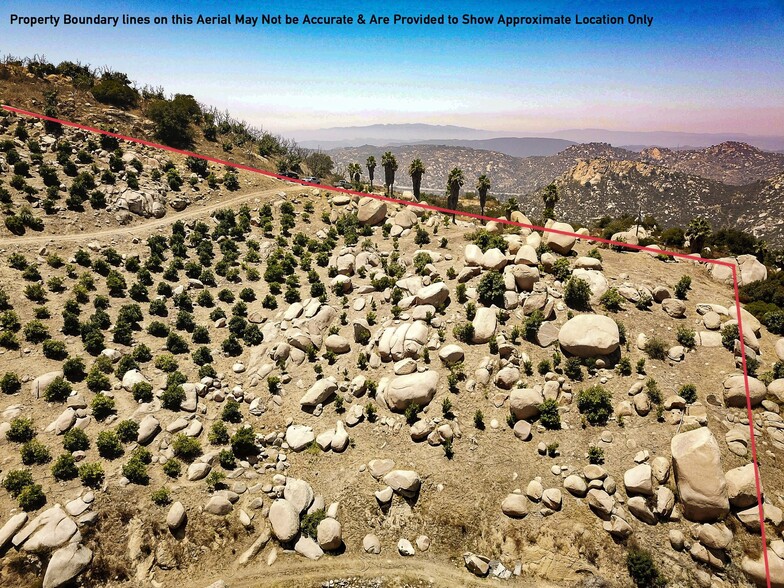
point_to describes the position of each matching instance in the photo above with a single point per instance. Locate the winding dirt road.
(193, 211)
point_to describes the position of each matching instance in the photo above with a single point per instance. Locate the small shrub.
(596, 404)
(76, 440)
(102, 406)
(64, 468)
(730, 334)
(682, 287)
(688, 392)
(479, 420)
(310, 522)
(464, 332)
(142, 392)
(219, 434)
(108, 445)
(21, 430)
(172, 468)
(640, 367)
(214, 480)
(612, 300)
(31, 498)
(595, 455)
(577, 294)
(34, 452)
(127, 431)
(91, 474)
(624, 367)
(549, 415)
(17, 480)
(227, 460)
(58, 391)
(232, 412)
(491, 288)
(643, 570)
(161, 497)
(686, 336)
(185, 447)
(136, 471)
(10, 383)
(573, 369)
(172, 397)
(656, 348)
(653, 391)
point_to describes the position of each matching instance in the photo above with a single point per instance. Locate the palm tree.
(389, 163)
(371, 167)
(453, 184)
(416, 170)
(550, 197)
(698, 231)
(482, 186)
(354, 173)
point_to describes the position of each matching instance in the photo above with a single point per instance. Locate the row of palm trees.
(416, 170)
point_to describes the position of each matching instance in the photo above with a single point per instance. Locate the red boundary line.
(731, 265)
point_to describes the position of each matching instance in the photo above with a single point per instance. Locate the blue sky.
(702, 67)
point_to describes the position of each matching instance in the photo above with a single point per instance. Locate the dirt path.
(193, 211)
(393, 572)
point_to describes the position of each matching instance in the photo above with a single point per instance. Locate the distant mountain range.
(519, 144)
(731, 183)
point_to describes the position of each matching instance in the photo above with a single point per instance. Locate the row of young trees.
(416, 170)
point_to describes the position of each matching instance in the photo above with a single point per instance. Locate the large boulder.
(742, 486)
(484, 323)
(416, 388)
(749, 321)
(699, 476)
(588, 335)
(596, 282)
(284, 519)
(559, 242)
(319, 392)
(524, 402)
(131, 378)
(371, 211)
(434, 294)
(329, 534)
(66, 563)
(515, 506)
(298, 437)
(404, 482)
(735, 391)
(41, 382)
(451, 354)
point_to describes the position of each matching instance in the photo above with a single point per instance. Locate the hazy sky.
(702, 67)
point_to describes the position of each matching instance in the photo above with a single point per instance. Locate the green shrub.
(21, 430)
(688, 392)
(185, 447)
(310, 522)
(479, 420)
(128, 431)
(549, 415)
(102, 406)
(544, 367)
(219, 434)
(656, 348)
(561, 269)
(108, 445)
(612, 300)
(682, 287)
(115, 90)
(231, 412)
(214, 480)
(624, 367)
(686, 337)
(161, 497)
(91, 474)
(17, 480)
(730, 334)
(74, 369)
(172, 468)
(653, 391)
(54, 349)
(10, 383)
(532, 325)
(58, 390)
(464, 332)
(491, 289)
(142, 392)
(136, 471)
(227, 460)
(595, 403)
(643, 570)
(243, 442)
(595, 455)
(76, 439)
(34, 452)
(573, 369)
(64, 468)
(577, 293)
(31, 498)
(172, 397)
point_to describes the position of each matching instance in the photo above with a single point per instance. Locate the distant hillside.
(730, 162)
